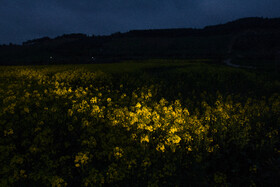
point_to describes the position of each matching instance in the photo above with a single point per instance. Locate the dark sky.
(21, 20)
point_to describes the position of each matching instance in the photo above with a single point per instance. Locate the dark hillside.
(247, 38)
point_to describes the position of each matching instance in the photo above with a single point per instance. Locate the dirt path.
(228, 63)
(230, 46)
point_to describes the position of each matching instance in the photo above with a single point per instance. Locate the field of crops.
(150, 123)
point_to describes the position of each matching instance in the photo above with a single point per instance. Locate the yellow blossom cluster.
(71, 125)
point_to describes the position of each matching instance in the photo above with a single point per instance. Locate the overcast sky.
(21, 20)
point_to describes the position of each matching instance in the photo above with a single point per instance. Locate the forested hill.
(249, 38)
(227, 28)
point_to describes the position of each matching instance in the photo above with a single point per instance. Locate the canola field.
(150, 123)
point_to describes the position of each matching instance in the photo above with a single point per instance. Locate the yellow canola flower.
(22, 173)
(186, 111)
(173, 130)
(150, 94)
(141, 126)
(93, 100)
(95, 110)
(149, 128)
(157, 125)
(123, 96)
(118, 152)
(27, 94)
(26, 109)
(133, 136)
(160, 147)
(85, 123)
(145, 139)
(163, 102)
(174, 139)
(81, 159)
(8, 132)
(58, 182)
(179, 120)
(138, 105)
(70, 112)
